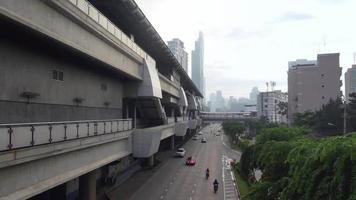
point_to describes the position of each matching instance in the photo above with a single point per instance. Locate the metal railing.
(104, 22)
(15, 136)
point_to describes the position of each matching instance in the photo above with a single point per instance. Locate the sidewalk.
(126, 189)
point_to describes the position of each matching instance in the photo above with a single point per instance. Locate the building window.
(266, 100)
(104, 87)
(323, 97)
(265, 106)
(322, 74)
(57, 75)
(322, 86)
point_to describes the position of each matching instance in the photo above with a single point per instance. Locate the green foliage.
(243, 144)
(233, 127)
(328, 119)
(351, 112)
(306, 119)
(280, 134)
(296, 166)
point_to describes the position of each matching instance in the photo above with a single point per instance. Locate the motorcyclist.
(216, 185)
(207, 173)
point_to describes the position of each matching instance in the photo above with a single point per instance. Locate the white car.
(195, 137)
(203, 140)
(180, 152)
(200, 133)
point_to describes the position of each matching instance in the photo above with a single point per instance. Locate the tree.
(329, 117)
(282, 108)
(231, 128)
(351, 112)
(296, 166)
(306, 119)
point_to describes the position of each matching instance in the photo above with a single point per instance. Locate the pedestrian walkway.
(230, 191)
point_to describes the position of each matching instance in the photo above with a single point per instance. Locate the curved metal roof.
(131, 20)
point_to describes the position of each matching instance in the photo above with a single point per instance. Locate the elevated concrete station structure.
(88, 89)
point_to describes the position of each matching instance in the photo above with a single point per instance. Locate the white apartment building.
(350, 82)
(267, 105)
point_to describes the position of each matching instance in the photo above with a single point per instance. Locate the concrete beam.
(33, 176)
(65, 23)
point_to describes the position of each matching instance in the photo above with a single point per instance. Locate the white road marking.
(230, 191)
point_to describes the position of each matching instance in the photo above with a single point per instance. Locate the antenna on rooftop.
(354, 57)
(272, 83)
(267, 86)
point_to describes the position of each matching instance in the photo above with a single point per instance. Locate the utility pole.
(345, 116)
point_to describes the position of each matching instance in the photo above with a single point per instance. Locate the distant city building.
(267, 105)
(253, 94)
(313, 83)
(198, 64)
(350, 82)
(177, 48)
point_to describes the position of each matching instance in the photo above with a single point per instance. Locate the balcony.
(16, 136)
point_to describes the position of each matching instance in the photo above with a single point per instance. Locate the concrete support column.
(87, 186)
(172, 142)
(134, 118)
(151, 161)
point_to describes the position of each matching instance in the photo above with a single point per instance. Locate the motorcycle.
(215, 188)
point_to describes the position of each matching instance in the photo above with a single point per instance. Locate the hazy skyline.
(249, 42)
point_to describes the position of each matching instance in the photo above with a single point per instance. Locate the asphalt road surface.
(176, 181)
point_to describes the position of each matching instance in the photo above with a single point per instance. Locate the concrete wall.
(33, 73)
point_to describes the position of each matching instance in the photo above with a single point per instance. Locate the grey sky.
(249, 42)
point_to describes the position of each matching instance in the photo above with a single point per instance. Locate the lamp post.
(345, 114)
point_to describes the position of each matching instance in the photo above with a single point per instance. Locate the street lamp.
(344, 105)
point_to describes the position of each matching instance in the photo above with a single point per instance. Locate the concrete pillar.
(172, 142)
(134, 118)
(87, 186)
(151, 161)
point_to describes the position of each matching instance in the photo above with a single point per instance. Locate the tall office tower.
(350, 82)
(177, 48)
(313, 83)
(267, 105)
(198, 64)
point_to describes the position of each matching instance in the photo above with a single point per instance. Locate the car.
(195, 138)
(190, 161)
(180, 152)
(217, 134)
(203, 140)
(200, 133)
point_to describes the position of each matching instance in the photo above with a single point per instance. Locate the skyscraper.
(350, 82)
(177, 48)
(198, 64)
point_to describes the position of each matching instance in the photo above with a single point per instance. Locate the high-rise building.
(198, 64)
(350, 82)
(177, 48)
(312, 83)
(268, 105)
(253, 94)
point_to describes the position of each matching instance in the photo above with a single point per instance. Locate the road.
(176, 181)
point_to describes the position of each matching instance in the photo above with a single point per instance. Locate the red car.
(190, 161)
